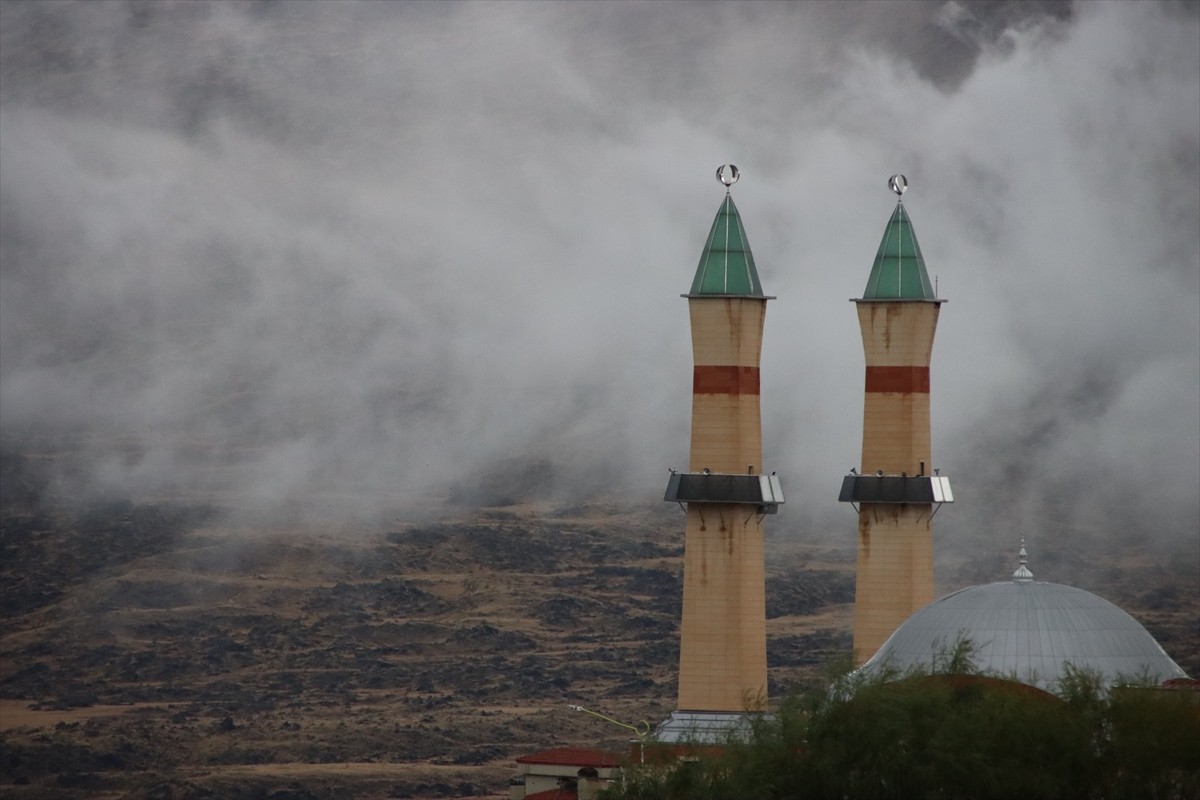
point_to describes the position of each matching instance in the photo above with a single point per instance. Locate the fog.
(356, 258)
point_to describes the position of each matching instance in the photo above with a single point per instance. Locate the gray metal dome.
(1028, 630)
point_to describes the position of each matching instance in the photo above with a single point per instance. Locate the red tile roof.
(553, 794)
(572, 757)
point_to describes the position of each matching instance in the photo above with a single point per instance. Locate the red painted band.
(901, 380)
(724, 380)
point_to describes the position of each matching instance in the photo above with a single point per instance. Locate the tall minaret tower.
(723, 641)
(896, 492)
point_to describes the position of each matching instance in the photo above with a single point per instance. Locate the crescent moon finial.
(728, 174)
(898, 184)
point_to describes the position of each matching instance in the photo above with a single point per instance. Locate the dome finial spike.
(1022, 575)
(728, 174)
(898, 184)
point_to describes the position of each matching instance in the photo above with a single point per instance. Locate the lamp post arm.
(641, 729)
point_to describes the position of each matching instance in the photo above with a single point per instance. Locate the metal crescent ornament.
(728, 174)
(898, 184)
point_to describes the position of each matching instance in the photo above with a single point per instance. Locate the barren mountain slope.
(149, 650)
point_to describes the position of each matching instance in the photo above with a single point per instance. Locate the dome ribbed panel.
(1027, 630)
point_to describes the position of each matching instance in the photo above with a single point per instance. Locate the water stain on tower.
(894, 492)
(723, 653)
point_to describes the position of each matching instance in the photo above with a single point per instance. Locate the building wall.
(723, 635)
(894, 577)
(547, 777)
(723, 658)
(727, 330)
(726, 418)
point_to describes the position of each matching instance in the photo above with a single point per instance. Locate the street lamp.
(641, 730)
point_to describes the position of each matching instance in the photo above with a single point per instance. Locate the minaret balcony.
(901, 488)
(765, 492)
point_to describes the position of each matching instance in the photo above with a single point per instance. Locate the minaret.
(896, 492)
(723, 641)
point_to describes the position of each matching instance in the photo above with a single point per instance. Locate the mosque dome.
(1030, 631)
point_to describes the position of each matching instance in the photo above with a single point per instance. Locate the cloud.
(351, 255)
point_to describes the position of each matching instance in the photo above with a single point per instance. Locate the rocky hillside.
(148, 650)
(153, 650)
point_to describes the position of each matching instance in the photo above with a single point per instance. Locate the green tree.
(946, 736)
(1152, 744)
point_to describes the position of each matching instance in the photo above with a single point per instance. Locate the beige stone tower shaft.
(895, 540)
(723, 639)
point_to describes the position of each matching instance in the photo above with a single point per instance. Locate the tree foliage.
(946, 736)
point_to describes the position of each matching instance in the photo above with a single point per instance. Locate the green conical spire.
(727, 265)
(899, 270)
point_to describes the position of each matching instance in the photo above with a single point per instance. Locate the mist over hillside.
(342, 258)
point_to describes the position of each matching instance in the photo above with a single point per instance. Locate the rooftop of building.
(898, 272)
(1030, 631)
(573, 757)
(727, 266)
(562, 793)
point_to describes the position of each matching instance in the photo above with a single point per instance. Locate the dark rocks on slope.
(806, 591)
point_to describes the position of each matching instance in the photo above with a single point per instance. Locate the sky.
(355, 257)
